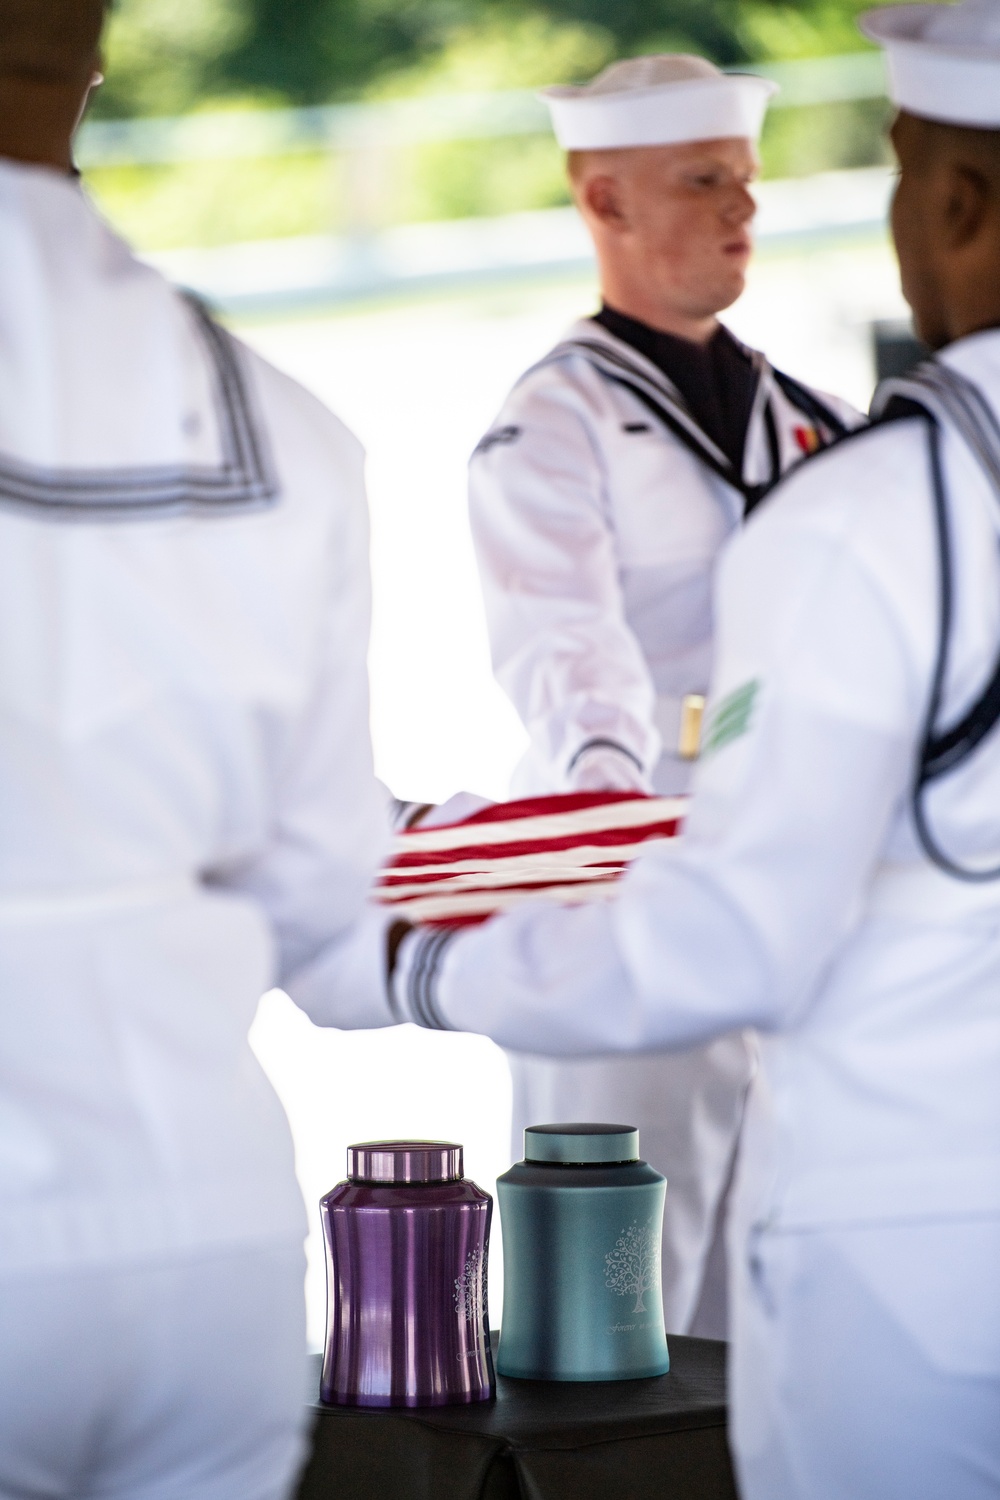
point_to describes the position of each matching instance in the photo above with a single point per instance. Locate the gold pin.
(689, 738)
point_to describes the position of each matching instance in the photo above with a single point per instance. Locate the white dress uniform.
(599, 504)
(188, 817)
(838, 888)
(865, 1233)
(599, 507)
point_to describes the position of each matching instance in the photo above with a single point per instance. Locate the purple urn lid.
(404, 1161)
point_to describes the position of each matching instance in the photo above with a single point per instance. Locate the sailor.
(600, 500)
(188, 815)
(837, 884)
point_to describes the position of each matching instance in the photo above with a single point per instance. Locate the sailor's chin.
(730, 286)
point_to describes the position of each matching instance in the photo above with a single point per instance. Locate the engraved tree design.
(470, 1287)
(634, 1263)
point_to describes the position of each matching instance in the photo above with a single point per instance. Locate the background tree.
(728, 31)
(166, 57)
(710, 26)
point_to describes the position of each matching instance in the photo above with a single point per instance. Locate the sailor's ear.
(965, 205)
(94, 80)
(603, 199)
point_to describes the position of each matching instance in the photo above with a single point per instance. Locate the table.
(540, 1440)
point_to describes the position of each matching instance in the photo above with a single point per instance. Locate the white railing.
(222, 134)
(316, 271)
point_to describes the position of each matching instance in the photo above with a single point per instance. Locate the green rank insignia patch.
(730, 718)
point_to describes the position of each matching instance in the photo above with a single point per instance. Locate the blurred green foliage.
(459, 179)
(823, 28)
(220, 202)
(163, 58)
(827, 137)
(525, 50)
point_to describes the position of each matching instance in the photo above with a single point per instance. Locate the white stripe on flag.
(512, 864)
(444, 908)
(543, 826)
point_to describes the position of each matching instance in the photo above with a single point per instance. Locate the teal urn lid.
(581, 1144)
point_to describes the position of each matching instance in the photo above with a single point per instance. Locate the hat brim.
(949, 83)
(699, 109)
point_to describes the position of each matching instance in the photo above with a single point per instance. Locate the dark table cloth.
(540, 1440)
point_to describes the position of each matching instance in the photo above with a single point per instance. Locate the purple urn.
(407, 1240)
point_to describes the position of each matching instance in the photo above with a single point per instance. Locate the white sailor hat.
(657, 101)
(943, 60)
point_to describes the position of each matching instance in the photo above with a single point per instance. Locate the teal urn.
(581, 1218)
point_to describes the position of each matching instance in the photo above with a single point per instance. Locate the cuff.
(604, 765)
(414, 985)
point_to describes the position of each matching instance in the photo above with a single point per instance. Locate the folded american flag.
(570, 849)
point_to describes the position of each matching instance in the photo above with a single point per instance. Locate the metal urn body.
(407, 1241)
(582, 1219)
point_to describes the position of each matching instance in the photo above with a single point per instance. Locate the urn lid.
(405, 1161)
(581, 1144)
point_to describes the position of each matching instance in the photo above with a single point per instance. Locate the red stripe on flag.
(447, 874)
(536, 807)
(601, 838)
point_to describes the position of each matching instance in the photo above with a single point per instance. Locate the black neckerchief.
(662, 398)
(718, 379)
